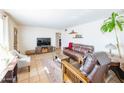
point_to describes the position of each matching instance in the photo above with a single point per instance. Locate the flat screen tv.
(43, 41)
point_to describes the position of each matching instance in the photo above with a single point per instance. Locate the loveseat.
(78, 51)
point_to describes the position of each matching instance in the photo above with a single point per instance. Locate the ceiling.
(58, 19)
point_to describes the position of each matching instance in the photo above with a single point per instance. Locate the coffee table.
(59, 57)
(63, 57)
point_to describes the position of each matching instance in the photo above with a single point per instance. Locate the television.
(43, 41)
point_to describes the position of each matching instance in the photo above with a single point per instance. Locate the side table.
(115, 60)
(117, 66)
(11, 75)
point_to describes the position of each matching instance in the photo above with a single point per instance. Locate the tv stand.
(44, 49)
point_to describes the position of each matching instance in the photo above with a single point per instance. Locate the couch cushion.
(73, 54)
(102, 58)
(90, 48)
(76, 47)
(88, 64)
(83, 50)
(93, 73)
(98, 74)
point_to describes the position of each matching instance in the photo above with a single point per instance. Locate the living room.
(25, 28)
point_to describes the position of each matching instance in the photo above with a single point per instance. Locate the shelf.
(77, 37)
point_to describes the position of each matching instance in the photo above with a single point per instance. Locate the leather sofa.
(95, 69)
(78, 51)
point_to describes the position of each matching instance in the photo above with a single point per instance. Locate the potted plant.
(113, 23)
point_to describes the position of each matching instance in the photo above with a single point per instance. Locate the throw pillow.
(70, 45)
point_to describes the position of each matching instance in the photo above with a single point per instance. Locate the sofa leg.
(29, 68)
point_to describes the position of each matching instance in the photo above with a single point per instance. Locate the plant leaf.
(119, 25)
(104, 28)
(113, 21)
(107, 26)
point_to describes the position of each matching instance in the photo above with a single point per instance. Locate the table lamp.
(111, 47)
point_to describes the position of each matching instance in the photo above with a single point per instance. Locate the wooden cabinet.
(44, 49)
(30, 52)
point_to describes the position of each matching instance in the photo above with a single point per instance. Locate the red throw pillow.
(70, 45)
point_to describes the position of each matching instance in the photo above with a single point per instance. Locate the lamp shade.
(110, 46)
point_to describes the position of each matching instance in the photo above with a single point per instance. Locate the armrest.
(76, 72)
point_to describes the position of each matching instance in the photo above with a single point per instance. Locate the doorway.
(15, 39)
(58, 40)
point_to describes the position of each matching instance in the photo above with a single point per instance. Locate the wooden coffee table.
(62, 57)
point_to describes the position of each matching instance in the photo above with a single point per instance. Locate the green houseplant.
(113, 23)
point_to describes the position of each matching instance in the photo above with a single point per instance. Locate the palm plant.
(114, 23)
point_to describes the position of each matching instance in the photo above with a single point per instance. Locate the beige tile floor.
(37, 72)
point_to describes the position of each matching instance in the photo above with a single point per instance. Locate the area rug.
(53, 71)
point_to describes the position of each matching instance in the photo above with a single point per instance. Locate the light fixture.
(111, 47)
(73, 32)
(78, 36)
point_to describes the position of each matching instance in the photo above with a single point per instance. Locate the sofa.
(78, 51)
(93, 70)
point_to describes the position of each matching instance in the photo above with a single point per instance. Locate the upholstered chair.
(99, 72)
(95, 67)
(24, 60)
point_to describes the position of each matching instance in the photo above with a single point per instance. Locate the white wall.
(121, 36)
(28, 37)
(92, 36)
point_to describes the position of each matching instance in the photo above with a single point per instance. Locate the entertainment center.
(43, 49)
(43, 46)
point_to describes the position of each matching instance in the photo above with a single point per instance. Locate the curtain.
(1, 31)
(4, 32)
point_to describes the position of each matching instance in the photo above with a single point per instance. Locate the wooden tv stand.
(44, 49)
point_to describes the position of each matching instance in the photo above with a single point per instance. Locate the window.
(4, 31)
(5, 56)
(2, 51)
